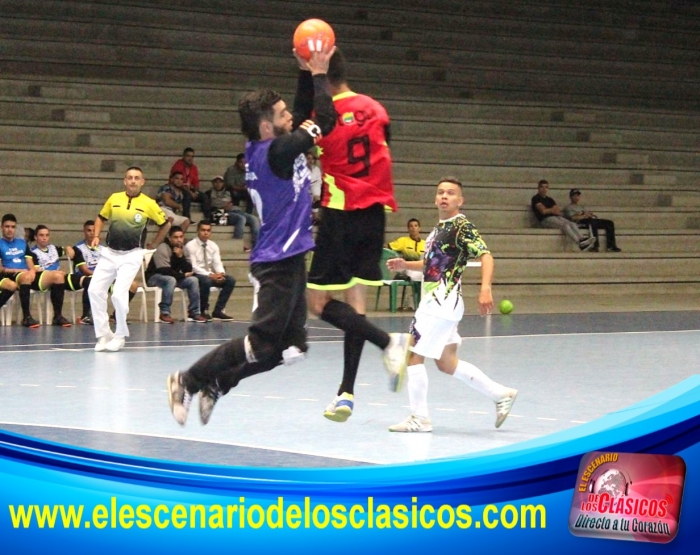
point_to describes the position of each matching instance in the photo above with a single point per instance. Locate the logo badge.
(348, 118)
(138, 218)
(628, 496)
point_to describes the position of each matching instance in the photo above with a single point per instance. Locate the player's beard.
(279, 131)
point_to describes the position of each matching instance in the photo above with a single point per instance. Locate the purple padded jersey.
(284, 205)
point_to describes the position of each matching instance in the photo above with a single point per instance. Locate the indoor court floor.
(570, 369)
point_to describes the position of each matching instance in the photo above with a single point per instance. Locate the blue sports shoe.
(341, 408)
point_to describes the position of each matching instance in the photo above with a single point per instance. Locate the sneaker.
(396, 359)
(207, 316)
(587, 244)
(30, 322)
(166, 319)
(614, 249)
(178, 398)
(85, 320)
(102, 342)
(116, 344)
(503, 406)
(341, 408)
(199, 318)
(207, 399)
(61, 321)
(113, 317)
(221, 315)
(413, 423)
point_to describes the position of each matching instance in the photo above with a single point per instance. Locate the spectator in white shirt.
(205, 257)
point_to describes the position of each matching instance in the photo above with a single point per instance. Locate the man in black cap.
(578, 214)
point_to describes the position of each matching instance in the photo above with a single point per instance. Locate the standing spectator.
(220, 199)
(550, 215)
(579, 215)
(190, 180)
(18, 262)
(171, 198)
(205, 257)
(129, 212)
(168, 269)
(434, 328)
(234, 178)
(356, 160)
(316, 182)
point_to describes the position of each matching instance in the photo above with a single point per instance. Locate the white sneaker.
(396, 359)
(413, 423)
(116, 344)
(340, 408)
(102, 342)
(179, 398)
(503, 406)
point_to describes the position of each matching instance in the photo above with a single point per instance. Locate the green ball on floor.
(505, 306)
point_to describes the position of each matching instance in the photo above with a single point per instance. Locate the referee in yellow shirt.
(128, 213)
(411, 247)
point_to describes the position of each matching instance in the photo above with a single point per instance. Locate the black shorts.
(349, 249)
(36, 284)
(74, 281)
(6, 275)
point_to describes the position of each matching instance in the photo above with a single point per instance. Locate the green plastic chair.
(394, 284)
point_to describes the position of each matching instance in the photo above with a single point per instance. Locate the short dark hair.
(174, 229)
(239, 156)
(9, 218)
(176, 172)
(337, 69)
(89, 222)
(40, 227)
(31, 234)
(453, 180)
(188, 149)
(254, 107)
(203, 222)
(413, 220)
(542, 182)
(133, 168)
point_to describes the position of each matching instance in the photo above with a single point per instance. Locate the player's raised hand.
(319, 60)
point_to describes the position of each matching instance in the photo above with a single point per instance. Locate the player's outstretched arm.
(485, 298)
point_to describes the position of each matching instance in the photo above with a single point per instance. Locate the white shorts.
(432, 334)
(177, 220)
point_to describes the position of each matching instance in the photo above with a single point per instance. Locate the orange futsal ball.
(312, 35)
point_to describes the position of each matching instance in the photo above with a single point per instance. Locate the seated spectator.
(170, 198)
(234, 179)
(222, 209)
(316, 182)
(7, 286)
(205, 257)
(169, 269)
(84, 262)
(411, 247)
(21, 264)
(579, 215)
(549, 215)
(190, 180)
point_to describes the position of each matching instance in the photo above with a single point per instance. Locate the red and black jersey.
(355, 156)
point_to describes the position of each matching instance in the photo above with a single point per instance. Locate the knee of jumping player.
(316, 300)
(261, 351)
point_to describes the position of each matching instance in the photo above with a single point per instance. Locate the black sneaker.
(207, 399)
(61, 321)
(614, 249)
(207, 316)
(198, 318)
(86, 320)
(221, 315)
(30, 322)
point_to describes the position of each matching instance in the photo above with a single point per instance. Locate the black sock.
(131, 296)
(352, 349)
(24, 295)
(87, 311)
(344, 317)
(5, 296)
(57, 293)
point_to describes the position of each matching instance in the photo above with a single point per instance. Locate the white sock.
(475, 378)
(418, 390)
